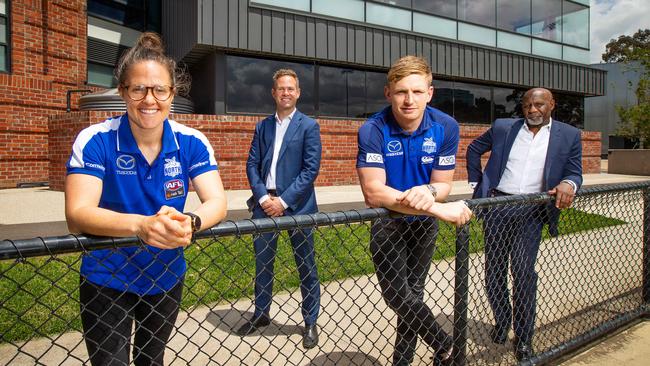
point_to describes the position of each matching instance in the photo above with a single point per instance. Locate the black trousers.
(107, 317)
(402, 253)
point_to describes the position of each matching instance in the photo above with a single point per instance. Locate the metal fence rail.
(593, 278)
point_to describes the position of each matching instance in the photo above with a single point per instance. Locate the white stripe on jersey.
(77, 158)
(189, 131)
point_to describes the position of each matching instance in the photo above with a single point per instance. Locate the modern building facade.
(600, 112)
(484, 55)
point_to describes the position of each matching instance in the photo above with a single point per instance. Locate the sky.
(612, 18)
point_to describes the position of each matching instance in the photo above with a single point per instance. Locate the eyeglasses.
(139, 92)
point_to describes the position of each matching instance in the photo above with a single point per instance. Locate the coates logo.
(173, 185)
(125, 162)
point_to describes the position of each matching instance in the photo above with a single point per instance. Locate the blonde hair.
(285, 72)
(409, 65)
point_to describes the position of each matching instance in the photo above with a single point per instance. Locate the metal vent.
(110, 100)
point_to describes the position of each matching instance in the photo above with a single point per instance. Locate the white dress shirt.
(281, 126)
(524, 171)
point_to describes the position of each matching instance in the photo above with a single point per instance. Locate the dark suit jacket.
(563, 159)
(298, 163)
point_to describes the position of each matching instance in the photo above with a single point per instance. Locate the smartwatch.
(196, 221)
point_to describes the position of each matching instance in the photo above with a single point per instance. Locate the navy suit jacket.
(563, 159)
(298, 163)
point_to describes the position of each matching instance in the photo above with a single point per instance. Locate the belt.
(497, 193)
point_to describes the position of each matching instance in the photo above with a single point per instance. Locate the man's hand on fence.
(418, 198)
(456, 212)
(564, 195)
(167, 229)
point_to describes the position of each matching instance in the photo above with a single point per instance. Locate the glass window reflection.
(443, 96)
(249, 82)
(438, 7)
(472, 103)
(375, 99)
(575, 24)
(388, 16)
(341, 92)
(514, 15)
(507, 102)
(477, 11)
(569, 109)
(547, 19)
(353, 8)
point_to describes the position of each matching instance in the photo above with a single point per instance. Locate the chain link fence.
(590, 279)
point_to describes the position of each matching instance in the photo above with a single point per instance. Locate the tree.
(635, 53)
(623, 48)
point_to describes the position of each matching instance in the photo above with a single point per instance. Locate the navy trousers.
(512, 237)
(302, 242)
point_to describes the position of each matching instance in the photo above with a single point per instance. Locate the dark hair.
(149, 47)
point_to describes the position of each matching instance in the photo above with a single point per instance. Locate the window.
(507, 102)
(472, 103)
(444, 8)
(569, 109)
(477, 11)
(443, 96)
(101, 75)
(341, 92)
(513, 15)
(575, 24)
(141, 15)
(249, 82)
(4, 36)
(375, 99)
(547, 19)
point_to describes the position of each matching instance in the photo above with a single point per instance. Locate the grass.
(39, 296)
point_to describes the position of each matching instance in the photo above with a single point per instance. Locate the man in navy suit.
(282, 165)
(528, 155)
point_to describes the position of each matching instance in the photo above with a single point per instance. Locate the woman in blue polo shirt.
(129, 176)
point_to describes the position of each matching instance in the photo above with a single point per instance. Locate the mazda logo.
(125, 162)
(394, 146)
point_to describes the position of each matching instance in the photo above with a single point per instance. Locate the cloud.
(612, 18)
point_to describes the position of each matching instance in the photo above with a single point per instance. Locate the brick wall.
(230, 136)
(48, 57)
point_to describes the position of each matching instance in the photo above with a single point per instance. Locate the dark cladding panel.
(331, 41)
(220, 24)
(494, 67)
(311, 37)
(342, 42)
(454, 53)
(361, 54)
(179, 26)
(394, 48)
(206, 22)
(277, 31)
(267, 30)
(242, 30)
(255, 30)
(411, 46)
(233, 23)
(290, 34)
(300, 36)
(321, 39)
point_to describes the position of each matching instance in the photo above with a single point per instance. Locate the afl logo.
(125, 162)
(173, 185)
(394, 146)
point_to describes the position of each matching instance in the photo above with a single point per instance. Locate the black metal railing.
(594, 277)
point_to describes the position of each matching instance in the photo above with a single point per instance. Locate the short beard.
(535, 121)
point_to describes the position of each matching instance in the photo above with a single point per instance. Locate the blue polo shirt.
(408, 158)
(109, 151)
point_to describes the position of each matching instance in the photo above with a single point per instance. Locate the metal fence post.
(646, 247)
(461, 295)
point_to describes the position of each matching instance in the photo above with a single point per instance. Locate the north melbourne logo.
(429, 146)
(172, 167)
